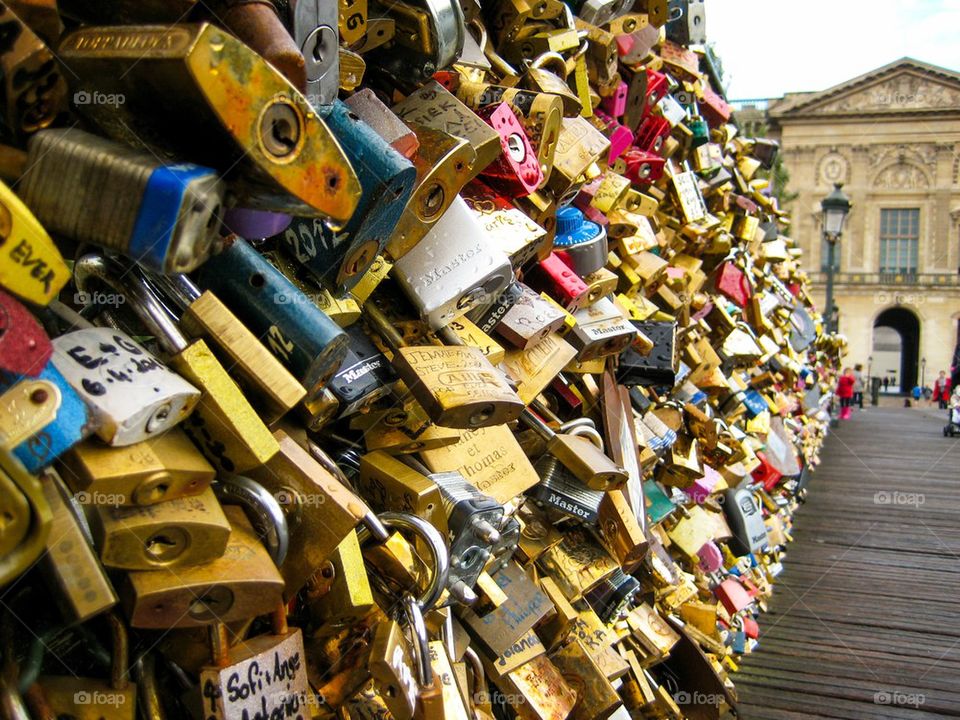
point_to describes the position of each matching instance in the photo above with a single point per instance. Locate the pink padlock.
(733, 595)
(615, 105)
(702, 487)
(711, 559)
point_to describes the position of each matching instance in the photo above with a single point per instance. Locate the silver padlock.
(453, 269)
(133, 396)
(314, 26)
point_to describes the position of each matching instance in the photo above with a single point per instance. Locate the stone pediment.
(904, 87)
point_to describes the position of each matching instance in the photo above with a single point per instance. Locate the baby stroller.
(952, 428)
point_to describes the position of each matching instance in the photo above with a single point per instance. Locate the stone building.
(892, 136)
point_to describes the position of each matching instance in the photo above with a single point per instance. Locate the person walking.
(858, 384)
(845, 393)
(886, 384)
(941, 390)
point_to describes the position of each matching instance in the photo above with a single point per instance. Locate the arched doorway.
(896, 347)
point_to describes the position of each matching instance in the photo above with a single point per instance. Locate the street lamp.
(869, 367)
(923, 372)
(834, 208)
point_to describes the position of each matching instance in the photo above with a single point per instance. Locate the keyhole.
(280, 129)
(515, 147)
(212, 603)
(433, 200)
(166, 545)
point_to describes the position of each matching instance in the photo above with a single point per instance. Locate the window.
(899, 240)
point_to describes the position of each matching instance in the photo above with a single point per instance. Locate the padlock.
(522, 605)
(440, 274)
(57, 418)
(283, 157)
(393, 665)
(687, 25)
(456, 385)
(182, 532)
(530, 320)
(275, 391)
(339, 257)
(224, 425)
(26, 348)
(433, 106)
(490, 314)
(163, 468)
(31, 266)
(580, 243)
(429, 37)
(577, 564)
(260, 676)
(315, 29)
(132, 395)
(559, 490)
(578, 454)
(746, 520)
(371, 110)
(170, 217)
(89, 698)
(601, 330)
(506, 225)
(539, 113)
(559, 281)
(390, 484)
(263, 510)
(243, 583)
(34, 88)
(301, 335)
(596, 696)
(517, 170)
(444, 164)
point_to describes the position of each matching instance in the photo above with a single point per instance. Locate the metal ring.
(421, 653)
(551, 58)
(438, 549)
(269, 520)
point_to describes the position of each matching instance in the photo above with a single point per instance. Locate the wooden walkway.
(864, 619)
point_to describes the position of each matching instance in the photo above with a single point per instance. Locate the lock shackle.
(381, 325)
(476, 668)
(122, 276)
(179, 288)
(435, 542)
(552, 58)
(421, 652)
(120, 660)
(499, 64)
(584, 427)
(370, 520)
(263, 510)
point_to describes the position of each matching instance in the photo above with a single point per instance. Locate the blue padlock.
(754, 403)
(73, 422)
(301, 335)
(339, 258)
(580, 243)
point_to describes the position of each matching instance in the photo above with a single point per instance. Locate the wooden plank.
(866, 603)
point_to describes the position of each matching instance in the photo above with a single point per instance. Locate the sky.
(771, 47)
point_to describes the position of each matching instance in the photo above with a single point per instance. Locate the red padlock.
(640, 167)
(517, 170)
(652, 133)
(714, 109)
(733, 595)
(765, 473)
(25, 347)
(555, 278)
(732, 282)
(751, 627)
(657, 87)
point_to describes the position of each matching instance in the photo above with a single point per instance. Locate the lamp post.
(834, 208)
(923, 372)
(869, 367)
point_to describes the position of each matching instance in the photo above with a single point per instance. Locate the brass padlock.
(185, 531)
(457, 386)
(243, 583)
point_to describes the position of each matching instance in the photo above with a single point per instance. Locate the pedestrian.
(858, 385)
(917, 392)
(941, 390)
(845, 393)
(886, 383)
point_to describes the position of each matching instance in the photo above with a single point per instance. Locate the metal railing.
(911, 279)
